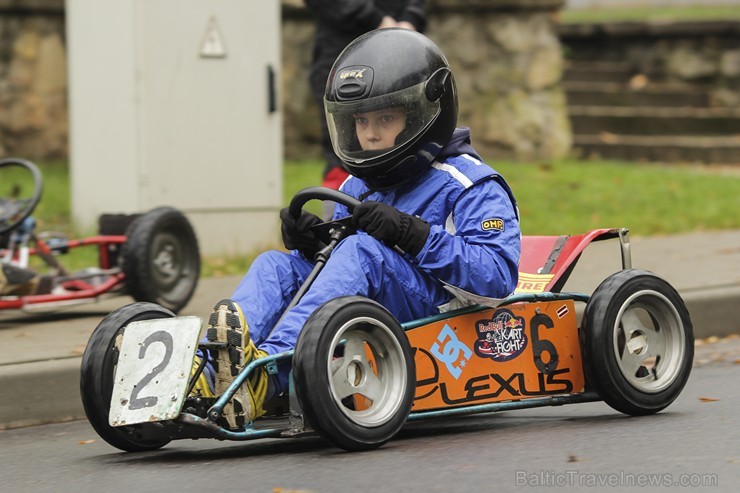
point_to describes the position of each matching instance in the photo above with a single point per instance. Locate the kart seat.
(547, 261)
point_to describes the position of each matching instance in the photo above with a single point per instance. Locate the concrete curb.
(40, 392)
(714, 312)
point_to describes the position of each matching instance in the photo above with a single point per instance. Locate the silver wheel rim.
(167, 260)
(648, 341)
(172, 266)
(351, 374)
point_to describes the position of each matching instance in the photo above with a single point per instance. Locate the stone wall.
(505, 55)
(33, 79)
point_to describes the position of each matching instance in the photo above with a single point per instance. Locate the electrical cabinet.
(175, 102)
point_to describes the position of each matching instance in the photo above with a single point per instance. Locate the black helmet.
(400, 82)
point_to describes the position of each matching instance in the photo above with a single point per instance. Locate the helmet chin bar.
(414, 164)
(393, 180)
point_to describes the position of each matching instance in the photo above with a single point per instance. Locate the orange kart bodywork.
(519, 350)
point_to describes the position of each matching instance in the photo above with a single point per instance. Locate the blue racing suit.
(472, 251)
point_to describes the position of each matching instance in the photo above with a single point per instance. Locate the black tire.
(637, 341)
(161, 258)
(329, 403)
(98, 371)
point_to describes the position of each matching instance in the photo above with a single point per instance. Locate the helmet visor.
(373, 127)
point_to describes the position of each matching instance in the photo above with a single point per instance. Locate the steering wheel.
(320, 193)
(323, 230)
(16, 208)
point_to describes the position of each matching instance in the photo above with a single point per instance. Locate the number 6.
(540, 346)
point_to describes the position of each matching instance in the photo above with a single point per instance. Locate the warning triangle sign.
(213, 43)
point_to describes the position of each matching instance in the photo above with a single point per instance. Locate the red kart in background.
(151, 257)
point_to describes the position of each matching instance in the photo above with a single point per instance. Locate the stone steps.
(618, 112)
(620, 94)
(654, 120)
(669, 149)
(606, 71)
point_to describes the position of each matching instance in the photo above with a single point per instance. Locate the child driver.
(423, 188)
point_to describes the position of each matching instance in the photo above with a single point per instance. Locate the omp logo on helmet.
(356, 73)
(493, 224)
(502, 338)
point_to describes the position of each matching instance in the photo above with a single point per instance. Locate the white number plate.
(153, 370)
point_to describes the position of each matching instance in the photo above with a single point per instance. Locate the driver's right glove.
(297, 234)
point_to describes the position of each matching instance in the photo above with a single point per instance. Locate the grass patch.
(649, 199)
(565, 197)
(298, 175)
(572, 197)
(651, 14)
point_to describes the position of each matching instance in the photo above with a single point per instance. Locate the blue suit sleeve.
(478, 250)
(349, 188)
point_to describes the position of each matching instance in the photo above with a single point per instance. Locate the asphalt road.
(694, 445)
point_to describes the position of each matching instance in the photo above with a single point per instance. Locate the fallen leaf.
(80, 349)
(608, 137)
(87, 442)
(639, 81)
(574, 458)
(712, 339)
(737, 361)
(708, 399)
(734, 461)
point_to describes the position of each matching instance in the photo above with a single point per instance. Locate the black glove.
(391, 226)
(297, 234)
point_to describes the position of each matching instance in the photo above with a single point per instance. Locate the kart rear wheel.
(98, 372)
(354, 373)
(638, 342)
(161, 259)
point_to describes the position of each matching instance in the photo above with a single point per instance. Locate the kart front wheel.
(98, 372)
(638, 342)
(161, 259)
(354, 373)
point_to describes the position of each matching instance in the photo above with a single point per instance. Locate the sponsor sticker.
(493, 224)
(532, 283)
(562, 311)
(451, 351)
(502, 338)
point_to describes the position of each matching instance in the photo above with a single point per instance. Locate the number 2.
(165, 338)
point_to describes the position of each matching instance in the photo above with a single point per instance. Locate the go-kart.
(151, 257)
(358, 374)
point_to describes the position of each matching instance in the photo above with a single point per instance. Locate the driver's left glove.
(391, 226)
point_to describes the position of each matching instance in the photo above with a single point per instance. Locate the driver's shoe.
(228, 326)
(17, 281)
